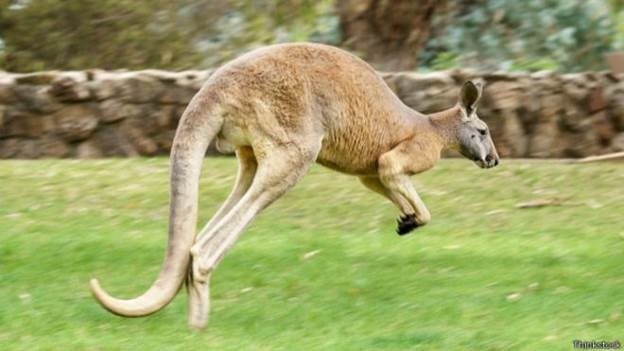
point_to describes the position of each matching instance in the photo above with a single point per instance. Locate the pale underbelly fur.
(357, 161)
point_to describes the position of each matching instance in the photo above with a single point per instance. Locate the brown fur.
(316, 89)
(281, 108)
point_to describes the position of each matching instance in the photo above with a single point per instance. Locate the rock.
(65, 88)
(410, 83)
(88, 149)
(193, 79)
(576, 92)
(603, 128)
(36, 98)
(38, 78)
(439, 102)
(177, 114)
(514, 136)
(616, 111)
(113, 110)
(165, 117)
(102, 89)
(595, 100)
(427, 93)
(7, 96)
(574, 119)
(53, 147)
(24, 124)
(551, 105)
(617, 143)
(3, 112)
(163, 76)
(139, 89)
(164, 140)
(8, 147)
(75, 122)
(146, 121)
(142, 144)
(176, 94)
(462, 75)
(529, 110)
(19, 148)
(543, 75)
(112, 141)
(542, 141)
(503, 95)
(578, 144)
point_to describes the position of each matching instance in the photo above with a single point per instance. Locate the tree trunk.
(388, 33)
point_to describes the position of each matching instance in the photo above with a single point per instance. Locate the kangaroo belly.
(352, 153)
(347, 165)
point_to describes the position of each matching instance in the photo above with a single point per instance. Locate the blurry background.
(562, 35)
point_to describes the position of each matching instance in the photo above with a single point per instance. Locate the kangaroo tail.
(197, 128)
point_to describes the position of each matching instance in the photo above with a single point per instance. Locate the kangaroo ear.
(469, 96)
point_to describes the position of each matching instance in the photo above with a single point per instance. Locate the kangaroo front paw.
(406, 224)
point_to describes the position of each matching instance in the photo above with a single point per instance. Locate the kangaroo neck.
(445, 124)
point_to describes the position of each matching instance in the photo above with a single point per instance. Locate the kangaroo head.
(473, 138)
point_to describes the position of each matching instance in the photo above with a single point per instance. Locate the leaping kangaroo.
(281, 108)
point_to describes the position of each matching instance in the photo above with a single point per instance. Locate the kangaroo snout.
(489, 161)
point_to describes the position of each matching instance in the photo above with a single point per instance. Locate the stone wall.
(101, 114)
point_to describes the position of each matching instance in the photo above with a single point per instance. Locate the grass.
(484, 275)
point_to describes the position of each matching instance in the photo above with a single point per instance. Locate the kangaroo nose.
(491, 161)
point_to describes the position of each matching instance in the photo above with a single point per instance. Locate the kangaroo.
(281, 108)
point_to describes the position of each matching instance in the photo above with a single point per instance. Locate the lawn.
(322, 269)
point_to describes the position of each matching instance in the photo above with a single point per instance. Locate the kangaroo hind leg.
(247, 166)
(199, 290)
(278, 170)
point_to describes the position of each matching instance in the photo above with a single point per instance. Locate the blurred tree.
(171, 34)
(43, 34)
(249, 24)
(568, 35)
(388, 34)
(617, 5)
(180, 34)
(617, 14)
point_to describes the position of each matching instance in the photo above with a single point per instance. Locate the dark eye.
(482, 131)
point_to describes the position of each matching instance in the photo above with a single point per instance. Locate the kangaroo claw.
(406, 224)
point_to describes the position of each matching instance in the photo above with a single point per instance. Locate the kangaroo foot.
(406, 224)
(198, 299)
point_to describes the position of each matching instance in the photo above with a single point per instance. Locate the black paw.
(406, 224)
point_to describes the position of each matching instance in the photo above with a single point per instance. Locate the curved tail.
(198, 126)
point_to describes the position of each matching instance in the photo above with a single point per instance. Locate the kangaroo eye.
(482, 131)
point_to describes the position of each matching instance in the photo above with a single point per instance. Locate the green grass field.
(483, 275)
